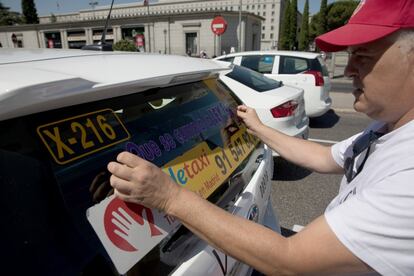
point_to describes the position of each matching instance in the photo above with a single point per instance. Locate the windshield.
(253, 79)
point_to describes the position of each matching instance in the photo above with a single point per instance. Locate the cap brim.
(350, 35)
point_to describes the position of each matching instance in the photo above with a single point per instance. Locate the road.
(343, 87)
(299, 196)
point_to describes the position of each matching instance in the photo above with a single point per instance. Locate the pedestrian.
(369, 227)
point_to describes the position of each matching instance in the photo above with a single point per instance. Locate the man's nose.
(350, 69)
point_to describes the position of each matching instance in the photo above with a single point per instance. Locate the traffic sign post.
(218, 27)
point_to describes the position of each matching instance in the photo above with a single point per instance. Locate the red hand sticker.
(125, 226)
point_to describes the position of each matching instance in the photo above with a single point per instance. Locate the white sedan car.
(300, 69)
(278, 106)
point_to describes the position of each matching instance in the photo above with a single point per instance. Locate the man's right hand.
(250, 118)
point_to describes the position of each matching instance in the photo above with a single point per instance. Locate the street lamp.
(93, 4)
(165, 41)
(240, 27)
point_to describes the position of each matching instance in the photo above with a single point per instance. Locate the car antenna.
(101, 45)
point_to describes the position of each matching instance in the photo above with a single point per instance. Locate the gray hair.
(406, 39)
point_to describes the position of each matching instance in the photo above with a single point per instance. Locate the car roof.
(308, 55)
(43, 79)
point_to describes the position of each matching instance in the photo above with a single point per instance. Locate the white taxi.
(64, 114)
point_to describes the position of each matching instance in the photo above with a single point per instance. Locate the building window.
(264, 6)
(271, 36)
(191, 43)
(273, 6)
(53, 40)
(263, 36)
(76, 39)
(272, 28)
(263, 27)
(273, 13)
(264, 13)
(258, 6)
(272, 20)
(252, 6)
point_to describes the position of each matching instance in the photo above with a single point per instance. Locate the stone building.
(164, 26)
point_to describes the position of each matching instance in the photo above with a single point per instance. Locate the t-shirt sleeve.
(377, 225)
(343, 149)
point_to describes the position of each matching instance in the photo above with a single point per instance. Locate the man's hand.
(250, 118)
(139, 181)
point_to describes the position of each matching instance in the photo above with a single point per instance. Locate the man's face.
(383, 79)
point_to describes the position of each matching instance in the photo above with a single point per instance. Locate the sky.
(46, 7)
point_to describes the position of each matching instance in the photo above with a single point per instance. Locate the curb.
(344, 110)
(341, 80)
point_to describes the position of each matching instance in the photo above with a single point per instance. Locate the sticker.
(203, 170)
(73, 138)
(129, 231)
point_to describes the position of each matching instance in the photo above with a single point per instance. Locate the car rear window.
(53, 166)
(293, 65)
(296, 65)
(253, 79)
(259, 63)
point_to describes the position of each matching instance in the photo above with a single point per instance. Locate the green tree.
(293, 24)
(314, 26)
(124, 45)
(284, 32)
(29, 12)
(323, 12)
(304, 29)
(340, 12)
(9, 18)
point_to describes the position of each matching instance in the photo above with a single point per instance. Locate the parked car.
(278, 106)
(64, 114)
(301, 69)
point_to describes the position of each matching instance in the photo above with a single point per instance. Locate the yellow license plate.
(73, 138)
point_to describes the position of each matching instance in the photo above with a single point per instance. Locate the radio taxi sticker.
(202, 170)
(129, 231)
(73, 138)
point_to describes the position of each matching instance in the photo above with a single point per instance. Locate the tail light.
(284, 110)
(318, 77)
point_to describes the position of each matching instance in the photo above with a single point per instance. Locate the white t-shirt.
(373, 215)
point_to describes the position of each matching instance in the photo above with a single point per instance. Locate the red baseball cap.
(372, 20)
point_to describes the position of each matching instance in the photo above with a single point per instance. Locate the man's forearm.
(265, 250)
(298, 151)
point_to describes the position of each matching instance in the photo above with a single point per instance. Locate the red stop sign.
(218, 25)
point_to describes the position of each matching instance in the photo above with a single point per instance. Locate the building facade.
(164, 26)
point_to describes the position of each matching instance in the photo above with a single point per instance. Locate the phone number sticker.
(73, 138)
(202, 170)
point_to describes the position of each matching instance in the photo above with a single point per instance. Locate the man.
(369, 227)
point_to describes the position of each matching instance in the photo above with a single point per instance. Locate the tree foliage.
(337, 14)
(124, 45)
(29, 12)
(304, 29)
(9, 18)
(293, 24)
(284, 33)
(323, 19)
